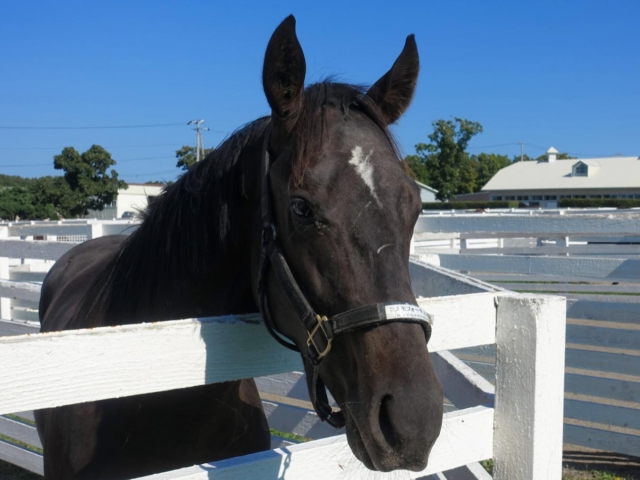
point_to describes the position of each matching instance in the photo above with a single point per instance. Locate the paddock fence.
(590, 257)
(518, 418)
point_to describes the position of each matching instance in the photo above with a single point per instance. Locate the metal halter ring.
(310, 341)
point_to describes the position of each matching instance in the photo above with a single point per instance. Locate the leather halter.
(321, 329)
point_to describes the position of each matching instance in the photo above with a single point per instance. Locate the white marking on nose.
(364, 168)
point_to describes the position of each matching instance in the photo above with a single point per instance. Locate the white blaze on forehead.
(364, 168)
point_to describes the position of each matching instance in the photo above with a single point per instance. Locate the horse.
(306, 210)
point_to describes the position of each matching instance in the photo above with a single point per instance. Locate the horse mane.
(189, 224)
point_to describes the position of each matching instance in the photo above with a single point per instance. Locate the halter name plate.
(406, 310)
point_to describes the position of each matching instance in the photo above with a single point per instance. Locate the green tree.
(525, 158)
(449, 167)
(559, 156)
(488, 165)
(19, 202)
(187, 156)
(54, 193)
(89, 179)
(417, 168)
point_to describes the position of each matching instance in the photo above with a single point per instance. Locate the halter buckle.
(310, 341)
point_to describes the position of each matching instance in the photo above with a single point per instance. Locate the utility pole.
(521, 151)
(199, 143)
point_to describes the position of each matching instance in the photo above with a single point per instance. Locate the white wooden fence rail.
(130, 360)
(525, 251)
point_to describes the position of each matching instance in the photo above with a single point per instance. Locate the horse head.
(344, 212)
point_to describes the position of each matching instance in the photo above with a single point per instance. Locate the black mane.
(188, 229)
(188, 226)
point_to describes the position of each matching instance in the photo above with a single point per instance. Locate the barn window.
(581, 171)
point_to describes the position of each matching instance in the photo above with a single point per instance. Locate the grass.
(11, 472)
(289, 436)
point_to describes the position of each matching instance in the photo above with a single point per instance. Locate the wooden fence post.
(95, 230)
(530, 349)
(5, 303)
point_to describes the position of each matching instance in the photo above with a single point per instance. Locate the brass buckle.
(310, 341)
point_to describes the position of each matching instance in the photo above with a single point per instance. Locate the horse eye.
(301, 208)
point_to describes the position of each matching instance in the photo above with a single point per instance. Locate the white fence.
(591, 258)
(521, 418)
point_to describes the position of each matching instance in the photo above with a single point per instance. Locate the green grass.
(20, 419)
(20, 444)
(289, 436)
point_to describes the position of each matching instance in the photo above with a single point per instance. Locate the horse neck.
(200, 266)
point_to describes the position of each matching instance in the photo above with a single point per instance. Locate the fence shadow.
(626, 466)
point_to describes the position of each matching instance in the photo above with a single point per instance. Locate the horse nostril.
(384, 418)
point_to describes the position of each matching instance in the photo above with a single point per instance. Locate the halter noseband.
(321, 330)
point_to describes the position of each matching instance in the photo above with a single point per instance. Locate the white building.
(133, 199)
(543, 183)
(427, 194)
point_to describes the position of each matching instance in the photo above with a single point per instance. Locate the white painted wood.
(575, 250)
(503, 226)
(61, 368)
(19, 431)
(34, 249)
(21, 457)
(11, 327)
(95, 230)
(434, 281)
(5, 303)
(602, 439)
(607, 311)
(473, 471)
(289, 384)
(610, 268)
(76, 366)
(461, 320)
(464, 387)
(49, 229)
(530, 338)
(564, 287)
(466, 437)
(301, 421)
(20, 290)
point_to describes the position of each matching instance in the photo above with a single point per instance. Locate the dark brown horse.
(344, 212)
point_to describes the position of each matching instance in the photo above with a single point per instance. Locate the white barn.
(133, 199)
(427, 194)
(543, 183)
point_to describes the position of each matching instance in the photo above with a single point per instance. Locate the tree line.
(88, 182)
(445, 165)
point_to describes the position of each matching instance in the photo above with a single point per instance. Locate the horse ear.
(394, 91)
(284, 71)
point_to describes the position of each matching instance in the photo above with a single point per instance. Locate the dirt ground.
(586, 464)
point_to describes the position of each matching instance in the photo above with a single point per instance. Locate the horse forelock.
(309, 131)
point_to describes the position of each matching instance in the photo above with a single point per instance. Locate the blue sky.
(563, 73)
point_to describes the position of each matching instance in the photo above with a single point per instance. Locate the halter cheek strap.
(321, 330)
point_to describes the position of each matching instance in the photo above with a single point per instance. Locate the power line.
(107, 147)
(493, 146)
(152, 173)
(102, 127)
(126, 160)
